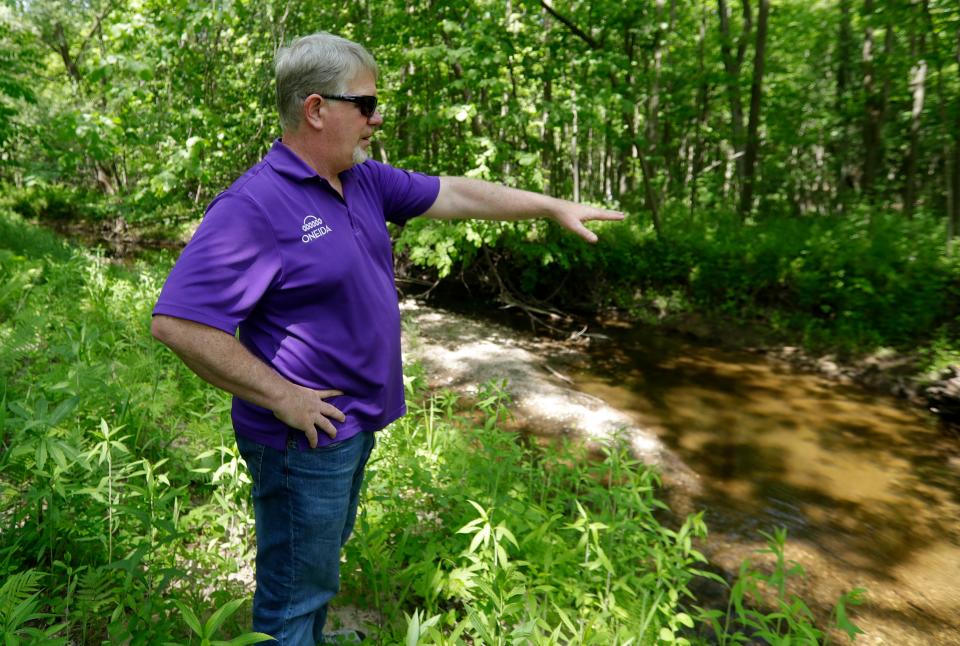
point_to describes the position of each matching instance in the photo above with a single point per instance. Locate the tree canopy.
(800, 107)
(690, 116)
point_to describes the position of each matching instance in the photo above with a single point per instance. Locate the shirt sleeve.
(405, 194)
(226, 268)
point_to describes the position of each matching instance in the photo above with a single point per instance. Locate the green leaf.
(480, 537)
(413, 629)
(480, 510)
(190, 618)
(243, 640)
(215, 620)
(843, 620)
(62, 410)
(503, 532)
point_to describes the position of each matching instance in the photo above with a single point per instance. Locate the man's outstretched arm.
(223, 361)
(464, 198)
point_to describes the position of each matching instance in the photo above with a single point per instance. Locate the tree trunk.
(58, 42)
(403, 137)
(575, 151)
(672, 135)
(546, 146)
(840, 144)
(457, 69)
(696, 164)
(653, 100)
(947, 188)
(591, 175)
(944, 192)
(756, 89)
(954, 217)
(918, 77)
(650, 193)
(648, 149)
(732, 67)
(609, 181)
(872, 108)
(630, 115)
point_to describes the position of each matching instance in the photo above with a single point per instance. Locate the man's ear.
(314, 111)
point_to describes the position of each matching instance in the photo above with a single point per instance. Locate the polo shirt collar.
(285, 162)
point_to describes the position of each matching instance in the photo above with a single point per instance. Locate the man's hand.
(304, 409)
(460, 198)
(571, 216)
(223, 361)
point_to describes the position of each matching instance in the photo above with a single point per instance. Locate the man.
(296, 254)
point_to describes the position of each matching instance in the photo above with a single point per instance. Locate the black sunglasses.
(367, 103)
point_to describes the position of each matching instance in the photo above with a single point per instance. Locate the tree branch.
(585, 37)
(93, 31)
(58, 42)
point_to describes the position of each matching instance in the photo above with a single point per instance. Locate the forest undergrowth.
(126, 515)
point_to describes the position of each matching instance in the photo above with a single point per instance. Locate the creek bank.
(116, 237)
(463, 354)
(886, 371)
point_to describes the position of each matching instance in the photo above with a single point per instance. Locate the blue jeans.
(305, 503)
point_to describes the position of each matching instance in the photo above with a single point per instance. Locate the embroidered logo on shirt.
(313, 228)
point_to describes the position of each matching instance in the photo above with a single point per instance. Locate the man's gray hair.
(320, 63)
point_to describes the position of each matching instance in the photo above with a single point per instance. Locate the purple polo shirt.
(307, 276)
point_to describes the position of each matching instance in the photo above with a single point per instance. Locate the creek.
(867, 485)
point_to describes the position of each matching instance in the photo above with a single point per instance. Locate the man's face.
(350, 131)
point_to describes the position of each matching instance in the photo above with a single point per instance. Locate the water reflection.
(870, 484)
(765, 431)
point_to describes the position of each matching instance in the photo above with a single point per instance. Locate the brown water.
(867, 486)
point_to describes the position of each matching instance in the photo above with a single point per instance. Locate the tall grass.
(113, 510)
(125, 515)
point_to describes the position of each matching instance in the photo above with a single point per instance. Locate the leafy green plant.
(511, 544)
(107, 514)
(789, 620)
(19, 608)
(207, 630)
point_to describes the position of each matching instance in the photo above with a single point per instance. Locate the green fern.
(19, 606)
(18, 599)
